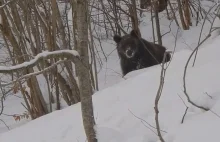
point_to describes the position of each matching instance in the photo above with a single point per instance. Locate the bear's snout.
(129, 53)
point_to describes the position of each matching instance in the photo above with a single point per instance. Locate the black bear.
(137, 53)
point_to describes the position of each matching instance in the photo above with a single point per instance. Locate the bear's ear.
(117, 38)
(134, 33)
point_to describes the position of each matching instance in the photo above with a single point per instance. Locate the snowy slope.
(124, 112)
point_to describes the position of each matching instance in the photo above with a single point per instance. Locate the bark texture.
(83, 69)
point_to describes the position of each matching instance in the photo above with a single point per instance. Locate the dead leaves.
(17, 117)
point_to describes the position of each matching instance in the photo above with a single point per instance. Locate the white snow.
(124, 107)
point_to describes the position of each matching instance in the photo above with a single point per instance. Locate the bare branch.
(184, 75)
(159, 92)
(142, 120)
(184, 115)
(187, 63)
(5, 124)
(203, 27)
(4, 5)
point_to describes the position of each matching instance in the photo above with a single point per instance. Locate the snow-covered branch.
(34, 73)
(70, 54)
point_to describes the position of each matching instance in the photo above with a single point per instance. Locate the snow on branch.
(71, 54)
(34, 73)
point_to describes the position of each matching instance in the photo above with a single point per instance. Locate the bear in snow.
(137, 53)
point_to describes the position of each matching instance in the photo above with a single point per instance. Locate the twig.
(202, 30)
(208, 95)
(183, 101)
(142, 120)
(184, 115)
(24, 106)
(184, 75)
(159, 92)
(174, 47)
(4, 5)
(215, 113)
(5, 124)
(185, 110)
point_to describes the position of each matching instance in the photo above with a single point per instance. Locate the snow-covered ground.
(124, 112)
(124, 107)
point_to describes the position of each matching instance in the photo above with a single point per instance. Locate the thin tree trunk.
(157, 21)
(187, 13)
(181, 15)
(134, 18)
(83, 70)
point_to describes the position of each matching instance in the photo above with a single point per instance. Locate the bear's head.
(128, 45)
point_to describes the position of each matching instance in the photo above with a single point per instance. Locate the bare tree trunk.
(57, 94)
(134, 18)
(115, 12)
(83, 69)
(19, 46)
(187, 13)
(157, 21)
(181, 15)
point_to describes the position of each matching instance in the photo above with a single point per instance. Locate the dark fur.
(143, 51)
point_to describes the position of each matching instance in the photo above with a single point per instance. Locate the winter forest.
(109, 70)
